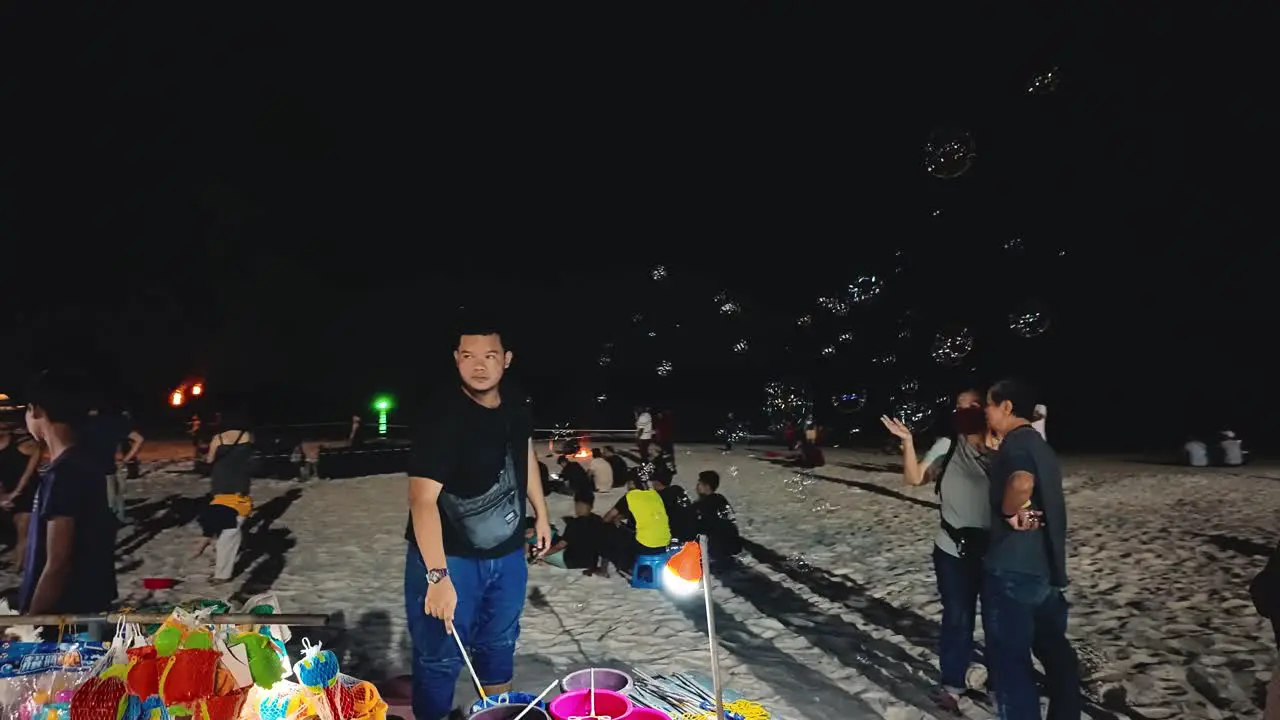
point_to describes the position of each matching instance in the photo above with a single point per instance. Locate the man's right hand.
(442, 600)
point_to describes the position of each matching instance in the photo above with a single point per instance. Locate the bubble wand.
(467, 659)
(529, 708)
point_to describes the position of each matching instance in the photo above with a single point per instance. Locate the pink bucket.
(577, 703)
(509, 712)
(643, 713)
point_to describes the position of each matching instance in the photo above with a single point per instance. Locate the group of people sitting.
(653, 514)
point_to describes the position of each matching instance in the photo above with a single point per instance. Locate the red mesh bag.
(144, 677)
(98, 699)
(188, 675)
(224, 707)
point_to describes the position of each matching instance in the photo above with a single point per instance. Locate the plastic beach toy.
(515, 699)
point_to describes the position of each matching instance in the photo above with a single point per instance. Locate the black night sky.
(296, 203)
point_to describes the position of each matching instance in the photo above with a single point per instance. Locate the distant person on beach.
(230, 460)
(619, 465)
(472, 471)
(680, 514)
(70, 563)
(1026, 564)
(1231, 449)
(1041, 415)
(641, 510)
(644, 432)
(19, 459)
(715, 518)
(601, 471)
(105, 433)
(957, 466)
(1195, 453)
(574, 476)
(355, 438)
(664, 430)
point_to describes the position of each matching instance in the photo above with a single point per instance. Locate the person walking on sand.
(644, 432)
(957, 466)
(1026, 564)
(230, 460)
(103, 435)
(1265, 591)
(19, 459)
(472, 470)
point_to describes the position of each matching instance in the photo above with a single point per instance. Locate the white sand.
(1160, 559)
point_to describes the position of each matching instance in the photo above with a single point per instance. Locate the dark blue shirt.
(72, 487)
(102, 436)
(1041, 552)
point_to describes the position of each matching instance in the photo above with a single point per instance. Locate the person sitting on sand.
(678, 505)
(642, 509)
(1195, 453)
(715, 518)
(230, 461)
(582, 545)
(574, 476)
(601, 472)
(618, 464)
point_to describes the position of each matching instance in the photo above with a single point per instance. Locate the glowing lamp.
(197, 390)
(682, 575)
(383, 405)
(177, 398)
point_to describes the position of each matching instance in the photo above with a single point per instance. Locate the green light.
(383, 404)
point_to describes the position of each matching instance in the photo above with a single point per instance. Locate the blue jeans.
(491, 596)
(1028, 615)
(959, 584)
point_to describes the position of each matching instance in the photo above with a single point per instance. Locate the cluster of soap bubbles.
(785, 404)
(949, 153)
(952, 346)
(664, 368)
(798, 563)
(797, 484)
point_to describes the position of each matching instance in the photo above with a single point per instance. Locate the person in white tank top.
(1042, 412)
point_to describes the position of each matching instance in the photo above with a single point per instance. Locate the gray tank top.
(231, 467)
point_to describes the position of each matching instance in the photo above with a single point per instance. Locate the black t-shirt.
(679, 511)
(72, 487)
(619, 469)
(576, 477)
(463, 445)
(1043, 551)
(583, 538)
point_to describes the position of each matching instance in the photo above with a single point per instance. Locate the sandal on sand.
(946, 701)
(219, 581)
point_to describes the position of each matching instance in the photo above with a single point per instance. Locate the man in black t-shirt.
(472, 471)
(1026, 571)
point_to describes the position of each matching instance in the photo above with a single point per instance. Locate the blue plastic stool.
(646, 574)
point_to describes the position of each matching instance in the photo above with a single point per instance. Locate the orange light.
(687, 563)
(177, 398)
(197, 390)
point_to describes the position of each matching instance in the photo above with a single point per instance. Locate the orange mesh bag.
(144, 672)
(98, 699)
(188, 675)
(223, 707)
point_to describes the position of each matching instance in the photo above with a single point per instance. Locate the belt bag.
(491, 518)
(971, 542)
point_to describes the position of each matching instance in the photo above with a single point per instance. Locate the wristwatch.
(436, 575)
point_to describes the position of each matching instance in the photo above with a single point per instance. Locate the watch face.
(435, 576)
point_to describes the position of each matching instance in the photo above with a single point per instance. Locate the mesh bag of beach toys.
(187, 668)
(321, 692)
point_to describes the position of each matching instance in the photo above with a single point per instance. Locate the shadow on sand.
(264, 548)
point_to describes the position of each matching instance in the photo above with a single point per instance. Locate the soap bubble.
(820, 506)
(885, 359)
(909, 386)
(804, 320)
(605, 359)
(1029, 320)
(664, 368)
(864, 289)
(836, 306)
(914, 415)
(846, 338)
(949, 153)
(952, 346)
(730, 308)
(829, 351)
(637, 318)
(720, 297)
(798, 563)
(850, 402)
(659, 273)
(1044, 83)
(741, 346)
(602, 398)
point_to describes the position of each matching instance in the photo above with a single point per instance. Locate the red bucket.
(158, 583)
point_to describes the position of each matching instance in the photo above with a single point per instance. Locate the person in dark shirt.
(582, 544)
(70, 563)
(715, 518)
(1026, 563)
(679, 507)
(574, 476)
(102, 436)
(470, 476)
(619, 466)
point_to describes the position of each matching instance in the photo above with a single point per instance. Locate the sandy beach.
(834, 606)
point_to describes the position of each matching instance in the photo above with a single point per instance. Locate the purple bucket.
(606, 679)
